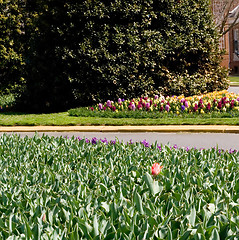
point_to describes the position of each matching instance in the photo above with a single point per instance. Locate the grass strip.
(63, 119)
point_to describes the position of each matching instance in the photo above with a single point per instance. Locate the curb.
(135, 129)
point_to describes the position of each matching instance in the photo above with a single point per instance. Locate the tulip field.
(60, 188)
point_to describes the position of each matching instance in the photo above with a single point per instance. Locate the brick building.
(229, 41)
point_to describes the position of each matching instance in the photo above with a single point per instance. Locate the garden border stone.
(161, 128)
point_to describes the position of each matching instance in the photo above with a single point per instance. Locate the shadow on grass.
(11, 113)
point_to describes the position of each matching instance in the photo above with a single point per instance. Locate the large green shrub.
(85, 51)
(11, 47)
(130, 48)
(47, 84)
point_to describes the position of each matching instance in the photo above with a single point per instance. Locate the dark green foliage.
(80, 52)
(11, 48)
(48, 86)
(133, 48)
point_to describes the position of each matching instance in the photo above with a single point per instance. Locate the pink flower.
(167, 107)
(156, 97)
(156, 169)
(44, 217)
(108, 104)
(147, 105)
(119, 101)
(100, 106)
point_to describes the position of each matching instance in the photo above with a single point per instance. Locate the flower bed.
(222, 101)
(59, 188)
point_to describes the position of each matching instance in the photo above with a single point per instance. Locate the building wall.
(228, 42)
(234, 50)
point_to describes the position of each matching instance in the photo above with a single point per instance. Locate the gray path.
(225, 141)
(234, 89)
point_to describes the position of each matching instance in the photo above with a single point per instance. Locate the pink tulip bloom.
(186, 104)
(167, 107)
(108, 104)
(156, 169)
(100, 106)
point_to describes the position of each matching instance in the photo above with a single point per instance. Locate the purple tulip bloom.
(113, 142)
(145, 143)
(104, 141)
(159, 147)
(186, 104)
(100, 106)
(108, 104)
(183, 107)
(167, 107)
(94, 140)
(130, 141)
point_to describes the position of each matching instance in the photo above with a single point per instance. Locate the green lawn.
(234, 80)
(63, 119)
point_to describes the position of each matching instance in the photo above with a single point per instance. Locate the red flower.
(208, 106)
(156, 169)
(44, 217)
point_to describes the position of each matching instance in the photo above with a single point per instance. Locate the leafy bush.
(11, 45)
(88, 51)
(81, 189)
(136, 48)
(7, 101)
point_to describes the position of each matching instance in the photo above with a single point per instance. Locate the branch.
(225, 19)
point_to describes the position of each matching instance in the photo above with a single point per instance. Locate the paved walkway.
(161, 128)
